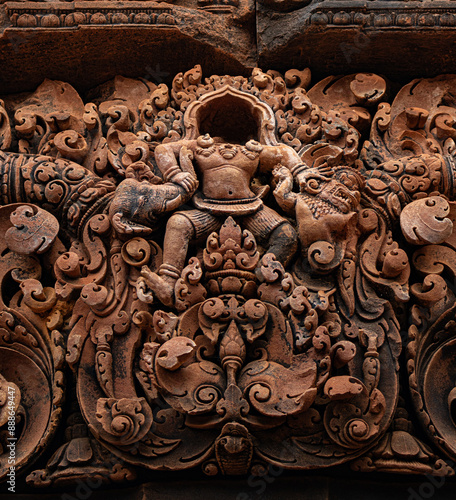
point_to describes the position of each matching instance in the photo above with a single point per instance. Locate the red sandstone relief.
(217, 274)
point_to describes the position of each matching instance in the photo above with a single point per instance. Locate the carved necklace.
(228, 151)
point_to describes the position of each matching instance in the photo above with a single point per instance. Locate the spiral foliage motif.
(123, 421)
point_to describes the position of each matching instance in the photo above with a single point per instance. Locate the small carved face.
(339, 194)
(234, 449)
(326, 212)
(130, 207)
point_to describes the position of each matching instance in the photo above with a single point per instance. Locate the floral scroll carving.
(224, 266)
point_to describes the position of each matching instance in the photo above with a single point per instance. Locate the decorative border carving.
(69, 15)
(384, 17)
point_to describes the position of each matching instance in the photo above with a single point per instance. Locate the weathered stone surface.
(208, 269)
(387, 37)
(88, 43)
(227, 264)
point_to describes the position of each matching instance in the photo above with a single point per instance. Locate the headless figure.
(225, 172)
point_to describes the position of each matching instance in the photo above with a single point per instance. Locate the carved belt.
(236, 208)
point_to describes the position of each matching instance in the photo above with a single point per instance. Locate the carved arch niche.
(227, 112)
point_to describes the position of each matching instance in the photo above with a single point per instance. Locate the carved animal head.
(332, 190)
(234, 449)
(137, 206)
(326, 213)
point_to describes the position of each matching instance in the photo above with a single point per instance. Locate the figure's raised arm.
(272, 156)
(179, 172)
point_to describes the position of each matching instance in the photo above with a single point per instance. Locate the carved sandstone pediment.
(217, 274)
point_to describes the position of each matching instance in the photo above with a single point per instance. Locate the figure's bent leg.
(283, 243)
(182, 228)
(179, 232)
(281, 237)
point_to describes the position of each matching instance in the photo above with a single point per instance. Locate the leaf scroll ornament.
(35, 230)
(123, 421)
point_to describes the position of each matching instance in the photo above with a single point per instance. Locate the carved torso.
(226, 170)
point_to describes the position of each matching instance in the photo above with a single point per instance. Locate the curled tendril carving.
(224, 265)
